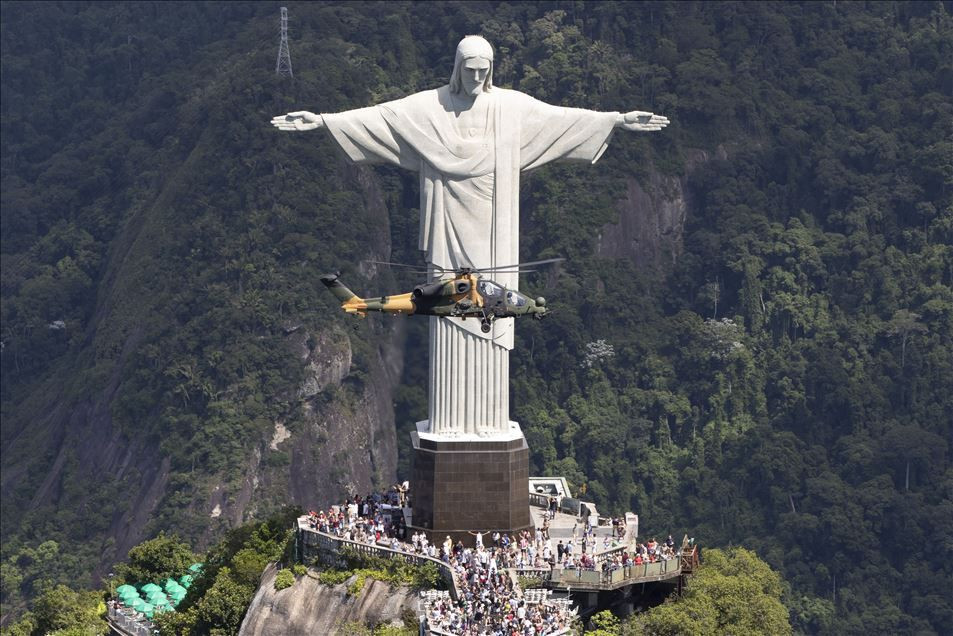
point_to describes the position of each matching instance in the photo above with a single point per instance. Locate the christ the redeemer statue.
(469, 141)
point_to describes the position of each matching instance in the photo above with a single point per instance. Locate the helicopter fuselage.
(466, 295)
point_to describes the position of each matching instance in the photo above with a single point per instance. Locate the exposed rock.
(327, 356)
(281, 434)
(348, 448)
(308, 607)
(652, 218)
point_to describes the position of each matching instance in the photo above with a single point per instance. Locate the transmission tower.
(283, 66)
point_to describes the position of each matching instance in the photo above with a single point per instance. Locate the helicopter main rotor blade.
(520, 265)
(416, 268)
(391, 264)
(509, 271)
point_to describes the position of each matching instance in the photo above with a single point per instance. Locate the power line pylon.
(283, 66)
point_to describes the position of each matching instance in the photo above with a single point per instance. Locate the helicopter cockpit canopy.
(489, 288)
(515, 299)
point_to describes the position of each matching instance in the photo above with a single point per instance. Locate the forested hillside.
(770, 367)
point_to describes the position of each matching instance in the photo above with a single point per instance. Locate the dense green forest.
(217, 598)
(782, 381)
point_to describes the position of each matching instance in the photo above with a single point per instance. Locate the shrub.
(284, 578)
(334, 577)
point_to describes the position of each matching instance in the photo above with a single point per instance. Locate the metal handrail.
(128, 623)
(539, 500)
(617, 577)
(334, 543)
(436, 631)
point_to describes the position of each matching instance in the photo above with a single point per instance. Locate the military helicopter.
(462, 293)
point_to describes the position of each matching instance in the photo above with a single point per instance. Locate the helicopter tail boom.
(337, 288)
(353, 304)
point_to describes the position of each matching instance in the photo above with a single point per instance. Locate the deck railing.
(328, 544)
(626, 575)
(435, 631)
(539, 500)
(128, 622)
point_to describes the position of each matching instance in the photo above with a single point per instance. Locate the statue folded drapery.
(469, 216)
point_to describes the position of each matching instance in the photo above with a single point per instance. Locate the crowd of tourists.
(374, 519)
(649, 552)
(489, 604)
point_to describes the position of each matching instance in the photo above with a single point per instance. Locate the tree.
(222, 608)
(62, 610)
(23, 627)
(157, 559)
(734, 592)
(604, 624)
(903, 325)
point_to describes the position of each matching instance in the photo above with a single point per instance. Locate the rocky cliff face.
(344, 448)
(308, 607)
(652, 218)
(66, 454)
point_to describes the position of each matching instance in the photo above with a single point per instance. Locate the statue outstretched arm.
(298, 120)
(641, 121)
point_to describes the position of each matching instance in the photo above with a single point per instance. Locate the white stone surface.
(513, 432)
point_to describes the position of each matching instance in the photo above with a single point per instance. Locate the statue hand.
(298, 120)
(642, 121)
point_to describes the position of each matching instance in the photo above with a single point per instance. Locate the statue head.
(473, 66)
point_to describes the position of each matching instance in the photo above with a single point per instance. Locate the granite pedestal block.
(463, 486)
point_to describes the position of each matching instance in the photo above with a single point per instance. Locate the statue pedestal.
(469, 483)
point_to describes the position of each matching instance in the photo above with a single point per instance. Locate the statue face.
(473, 75)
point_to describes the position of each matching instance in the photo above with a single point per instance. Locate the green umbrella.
(128, 593)
(195, 567)
(150, 587)
(130, 601)
(186, 580)
(157, 597)
(138, 604)
(177, 595)
(171, 587)
(125, 588)
(148, 610)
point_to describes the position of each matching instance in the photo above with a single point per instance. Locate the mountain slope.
(762, 358)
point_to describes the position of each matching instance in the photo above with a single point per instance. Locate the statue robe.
(469, 216)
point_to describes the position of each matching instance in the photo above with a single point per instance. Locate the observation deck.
(565, 526)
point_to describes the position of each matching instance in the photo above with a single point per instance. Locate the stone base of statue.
(469, 483)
